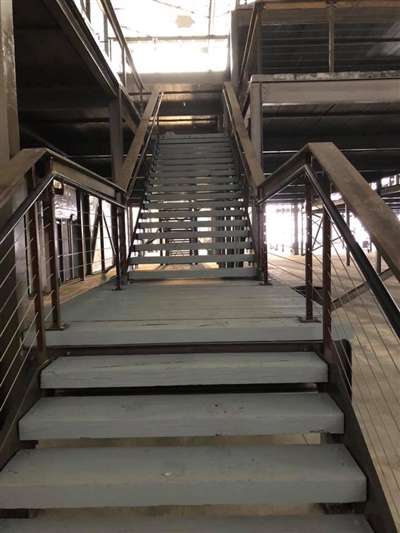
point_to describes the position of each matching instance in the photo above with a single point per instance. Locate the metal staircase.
(193, 208)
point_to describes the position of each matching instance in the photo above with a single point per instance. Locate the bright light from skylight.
(153, 29)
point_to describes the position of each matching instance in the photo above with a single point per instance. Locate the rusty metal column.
(326, 278)
(331, 35)
(50, 223)
(256, 119)
(309, 255)
(13, 250)
(117, 156)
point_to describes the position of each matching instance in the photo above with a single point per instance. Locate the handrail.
(253, 166)
(378, 219)
(57, 167)
(361, 199)
(128, 167)
(109, 10)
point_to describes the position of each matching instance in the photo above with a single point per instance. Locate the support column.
(256, 120)
(331, 35)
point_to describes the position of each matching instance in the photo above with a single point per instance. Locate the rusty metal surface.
(377, 218)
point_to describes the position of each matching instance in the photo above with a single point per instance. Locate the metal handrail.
(57, 168)
(109, 10)
(365, 203)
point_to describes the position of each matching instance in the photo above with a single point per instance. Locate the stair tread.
(173, 416)
(193, 369)
(193, 196)
(123, 477)
(190, 234)
(186, 205)
(194, 214)
(217, 273)
(189, 259)
(184, 224)
(186, 246)
(200, 524)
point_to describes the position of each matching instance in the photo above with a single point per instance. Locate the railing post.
(34, 241)
(326, 277)
(309, 254)
(117, 252)
(51, 224)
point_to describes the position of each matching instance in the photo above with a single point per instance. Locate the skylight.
(176, 35)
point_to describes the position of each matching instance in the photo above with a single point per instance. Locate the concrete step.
(190, 234)
(176, 224)
(190, 259)
(200, 136)
(194, 214)
(164, 370)
(197, 196)
(181, 246)
(196, 142)
(199, 524)
(218, 204)
(105, 417)
(207, 475)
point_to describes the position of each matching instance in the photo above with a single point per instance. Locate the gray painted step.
(189, 259)
(183, 369)
(177, 416)
(190, 234)
(216, 475)
(201, 524)
(194, 214)
(183, 136)
(243, 245)
(193, 196)
(203, 141)
(194, 180)
(193, 163)
(194, 205)
(217, 273)
(192, 173)
(180, 152)
(187, 156)
(176, 224)
(194, 187)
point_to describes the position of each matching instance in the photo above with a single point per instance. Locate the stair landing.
(186, 311)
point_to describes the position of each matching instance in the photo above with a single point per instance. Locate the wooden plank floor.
(376, 363)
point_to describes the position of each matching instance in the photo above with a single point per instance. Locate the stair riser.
(208, 273)
(193, 205)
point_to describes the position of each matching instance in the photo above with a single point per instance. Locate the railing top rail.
(256, 174)
(127, 169)
(55, 167)
(377, 217)
(112, 17)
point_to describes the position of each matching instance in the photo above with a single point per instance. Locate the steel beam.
(334, 91)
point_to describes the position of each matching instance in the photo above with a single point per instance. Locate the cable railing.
(66, 225)
(354, 303)
(248, 169)
(102, 20)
